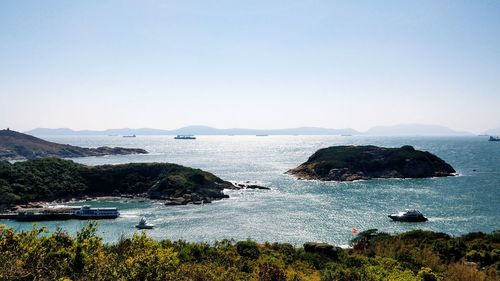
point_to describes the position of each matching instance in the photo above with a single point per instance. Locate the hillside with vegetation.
(19, 146)
(348, 163)
(49, 179)
(415, 255)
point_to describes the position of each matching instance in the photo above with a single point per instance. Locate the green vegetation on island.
(19, 146)
(348, 163)
(48, 179)
(415, 255)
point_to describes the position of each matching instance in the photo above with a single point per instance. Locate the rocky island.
(50, 179)
(348, 163)
(19, 146)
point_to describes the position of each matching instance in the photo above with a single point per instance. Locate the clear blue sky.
(255, 64)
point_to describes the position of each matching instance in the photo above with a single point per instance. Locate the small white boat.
(185, 137)
(143, 224)
(409, 215)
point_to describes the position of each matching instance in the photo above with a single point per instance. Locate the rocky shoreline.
(185, 199)
(54, 179)
(201, 199)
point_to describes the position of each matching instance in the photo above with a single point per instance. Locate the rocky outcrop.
(210, 192)
(348, 163)
(19, 146)
(248, 185)
(322, 248)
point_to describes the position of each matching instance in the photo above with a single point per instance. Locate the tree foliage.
(49, 179)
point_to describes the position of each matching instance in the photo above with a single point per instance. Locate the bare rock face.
(19, 146)
(349, 163)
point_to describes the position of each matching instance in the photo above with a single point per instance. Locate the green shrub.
(39, 255)
(248, 249)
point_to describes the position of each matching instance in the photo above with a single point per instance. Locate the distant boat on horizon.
(185, 137)
(263, 135)
(129, 136)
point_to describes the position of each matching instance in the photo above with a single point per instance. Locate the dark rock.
(248, 185)
(176, 201)
(322, 248)
(348, 163)
(253, 186)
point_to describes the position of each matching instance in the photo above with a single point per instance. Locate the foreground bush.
(414, 255)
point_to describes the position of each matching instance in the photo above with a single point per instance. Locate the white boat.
(88, 213)
(185, 137)
(409, 215)
(143, 224)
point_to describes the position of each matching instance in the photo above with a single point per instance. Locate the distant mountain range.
(396, 130)
(415, 130)
(198, 130)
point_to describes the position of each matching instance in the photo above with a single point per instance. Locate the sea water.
(296, 211)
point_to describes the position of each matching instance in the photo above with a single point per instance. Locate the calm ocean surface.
(298, 211)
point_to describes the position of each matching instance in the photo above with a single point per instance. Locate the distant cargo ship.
(129, 136)
(185, 137)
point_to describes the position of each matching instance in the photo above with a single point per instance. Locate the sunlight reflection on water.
(297, 211)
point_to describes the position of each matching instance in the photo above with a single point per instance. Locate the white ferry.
(87, 213)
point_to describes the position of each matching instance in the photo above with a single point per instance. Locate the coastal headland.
(19, 146)
(49, 179)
